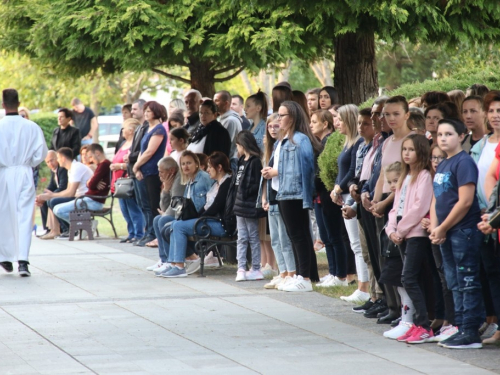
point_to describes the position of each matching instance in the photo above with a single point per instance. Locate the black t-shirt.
(241, 168)
(82, 121)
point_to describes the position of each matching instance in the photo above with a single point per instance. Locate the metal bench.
(105, 212)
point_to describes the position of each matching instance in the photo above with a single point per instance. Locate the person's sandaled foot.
(49, 236)
(153, 243)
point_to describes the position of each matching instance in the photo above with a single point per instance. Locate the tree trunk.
(202, 78)
(355, 72)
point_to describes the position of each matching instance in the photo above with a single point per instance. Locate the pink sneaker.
(421, 335)
(254, 275)
(408, 334)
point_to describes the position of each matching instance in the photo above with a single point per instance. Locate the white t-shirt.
(402, 197)
(487, 156)
(79, 173)
(176, 155)
(275, 181)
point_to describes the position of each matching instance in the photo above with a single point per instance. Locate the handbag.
(494, 220)
(184, 208)
(124, 188)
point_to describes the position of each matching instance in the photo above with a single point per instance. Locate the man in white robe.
(22, 147)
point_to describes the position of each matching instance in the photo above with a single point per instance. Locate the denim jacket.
(296, 170)
(259, 133)
(199, 189)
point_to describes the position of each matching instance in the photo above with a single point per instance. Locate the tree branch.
(231, 76)
(171, 76)
(223, 70)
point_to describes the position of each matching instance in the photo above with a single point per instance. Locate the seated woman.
(219, 170)
(197, 184)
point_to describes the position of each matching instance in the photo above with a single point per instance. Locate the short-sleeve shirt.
(391, 153)
(497, 155)
(452, 173)
(151, 166)
(79, 173)
(82, 121)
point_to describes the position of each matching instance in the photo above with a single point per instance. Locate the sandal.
(153, 243)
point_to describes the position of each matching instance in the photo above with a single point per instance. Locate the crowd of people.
(410, 218)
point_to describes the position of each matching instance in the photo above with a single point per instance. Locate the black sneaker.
(23, 269)
(7, 266)
(379, 307)
(467, 340)
(451, 338)
(396, 322)
(364, 307)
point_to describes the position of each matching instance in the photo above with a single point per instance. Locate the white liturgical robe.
(22, 147)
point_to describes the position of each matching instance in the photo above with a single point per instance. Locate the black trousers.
(153, 186)
(491, 265)
(44, 209)
(297, 224)
(372, 240)
(416, 250)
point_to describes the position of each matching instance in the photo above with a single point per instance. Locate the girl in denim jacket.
(294, 181)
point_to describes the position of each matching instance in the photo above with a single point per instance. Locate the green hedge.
(327, 161)
(47, 121)
(461, 80)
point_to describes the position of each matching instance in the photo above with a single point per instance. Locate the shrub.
(47, 121)
(327, 161)
(461, 80)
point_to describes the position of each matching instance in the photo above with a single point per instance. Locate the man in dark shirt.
(66, 135)
(58, 182)
(193, 101)
(85, 120)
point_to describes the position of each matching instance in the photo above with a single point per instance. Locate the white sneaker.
(326, 277)
(288, 279)
(164, 268)
(155, 266)
(489, 331)
(337, 282)
(444, 333)
(274, 282)
(357, 297)
(211, 261)
(300, 285)
(253, 275)
(325, 281)
(241, 275)
(192, 266)
(268, 271)
(397, 331)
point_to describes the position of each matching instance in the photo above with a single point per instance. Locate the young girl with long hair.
(280, 241)
(412, 202)
(294, 182)
(247, 184)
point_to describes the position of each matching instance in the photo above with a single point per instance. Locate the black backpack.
(229, 218)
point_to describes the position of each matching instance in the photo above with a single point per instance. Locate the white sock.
(407, 308)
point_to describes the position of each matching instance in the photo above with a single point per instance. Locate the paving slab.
(92, 308)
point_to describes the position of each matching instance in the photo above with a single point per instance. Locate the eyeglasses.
(273, 127)
(437, 159)
(281, 116)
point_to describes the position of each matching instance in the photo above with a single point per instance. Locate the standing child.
(247, 184)
(412, 202)
(454, 215)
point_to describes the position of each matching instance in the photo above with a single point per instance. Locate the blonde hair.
(131, 123)
(349, 115)
(26, 110)
(190, 154)
(394, 167)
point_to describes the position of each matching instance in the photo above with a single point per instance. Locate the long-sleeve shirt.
(69, 137)
(102, 173)
(347, 165)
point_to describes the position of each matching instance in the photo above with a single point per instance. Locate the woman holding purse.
(130, 209)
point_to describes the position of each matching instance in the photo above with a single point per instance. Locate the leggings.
(297, 224)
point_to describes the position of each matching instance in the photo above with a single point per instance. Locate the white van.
(109, 133)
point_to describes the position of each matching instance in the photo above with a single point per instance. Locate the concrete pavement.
(91, 308)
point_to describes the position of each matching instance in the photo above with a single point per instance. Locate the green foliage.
(47, 121)
(460, 80)
(327, 161)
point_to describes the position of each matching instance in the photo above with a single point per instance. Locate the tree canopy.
(216, 39)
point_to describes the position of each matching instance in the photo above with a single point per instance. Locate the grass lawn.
(331, 291)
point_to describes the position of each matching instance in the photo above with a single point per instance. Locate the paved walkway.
(91, 308)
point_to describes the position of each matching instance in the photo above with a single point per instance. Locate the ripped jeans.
(461, 259)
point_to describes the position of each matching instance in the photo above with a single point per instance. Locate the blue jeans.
(51, 203)
(142, 198)
(133, 216)
(163, 246)
(62, 210)
(280, 243)
(181, 230)
(248, 233)
(461, 257)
